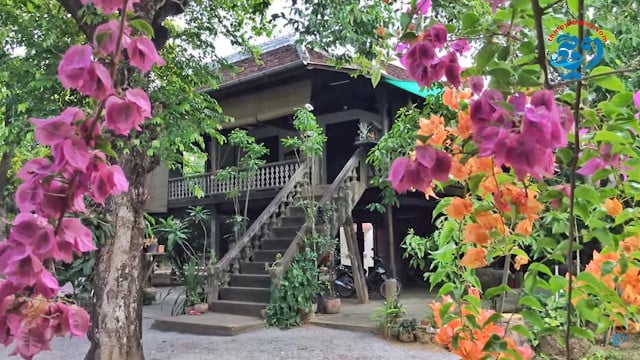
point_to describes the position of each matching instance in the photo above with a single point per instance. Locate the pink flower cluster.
(520, 135)
(425, 65)
(55, 186)
(429, 164)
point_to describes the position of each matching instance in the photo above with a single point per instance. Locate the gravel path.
(305, 343)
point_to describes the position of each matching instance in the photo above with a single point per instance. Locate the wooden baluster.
(235, 266)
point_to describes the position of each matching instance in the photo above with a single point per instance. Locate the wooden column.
(383, 103)
(214, 151)
(356, 261)
(214, 232)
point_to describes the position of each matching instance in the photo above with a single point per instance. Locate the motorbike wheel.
(382, 288)
(345, 292)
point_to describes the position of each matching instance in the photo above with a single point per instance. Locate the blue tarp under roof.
(413, 87)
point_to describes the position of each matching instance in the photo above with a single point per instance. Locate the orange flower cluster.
(627, 283)
(472, 339)
(613, 207)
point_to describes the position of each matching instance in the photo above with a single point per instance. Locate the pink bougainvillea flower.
(423, 6)
(604, 160)
(34, 231)
(110, 6)
(77, 320)
(97, 82)
(404, 175)
(452, 69)
(105, 37)
(34, 168)
(108, 180)
(636, 102)
(74, 65)
(54, 199)
(495, 4)
(143, 54)
(476, 83)
(47, 285)
(430, 164)
(73, 231)
(122, 115)
(461, 46)
(23, 267)
(54, 130)
(30, 341)
(438, 35)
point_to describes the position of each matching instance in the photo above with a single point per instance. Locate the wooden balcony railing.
(269, 176)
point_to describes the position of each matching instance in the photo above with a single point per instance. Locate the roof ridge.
(266, 46)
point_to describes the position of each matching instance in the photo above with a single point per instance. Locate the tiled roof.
(283, 51)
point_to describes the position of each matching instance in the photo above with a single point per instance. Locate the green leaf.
(522, 330)
(142, 26)
(531, 302)
(442, 204)
(469, 20)
(501, 73)
(446, 288)
(583, 333)
(573, 6)
(486, 54)
(607, 267)
(528, 80)
(610, 82)
(586, 192)
(495, 291)
(495, 344)
(533, 317)
(375, 78)
(474, 182)
(408, 36)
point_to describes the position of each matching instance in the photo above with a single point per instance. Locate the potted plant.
(151, 244)
(366, 135)
(331, 303)
(389, 316)
(406, 330)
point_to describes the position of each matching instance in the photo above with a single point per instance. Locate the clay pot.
(160, 249)
(332, 305)
(406, 336)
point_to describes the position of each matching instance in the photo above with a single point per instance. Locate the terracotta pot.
(332, 305)
(201, 308)
(160, 249)
(406, 336)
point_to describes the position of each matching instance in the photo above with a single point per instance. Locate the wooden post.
(214, 231)
(356, 261)
(392, 249)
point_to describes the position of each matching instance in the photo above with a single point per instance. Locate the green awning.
(413, 87)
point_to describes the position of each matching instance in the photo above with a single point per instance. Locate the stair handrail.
(235, 251)
(357, 159)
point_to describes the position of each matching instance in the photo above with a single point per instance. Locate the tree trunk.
(116, 330)
(5, 165)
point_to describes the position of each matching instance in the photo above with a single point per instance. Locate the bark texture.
(116, 317)
(5, 164)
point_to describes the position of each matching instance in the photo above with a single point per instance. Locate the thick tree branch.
(538, 12)
(73, 8)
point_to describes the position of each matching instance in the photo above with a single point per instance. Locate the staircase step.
(237, 307)
(285, 231)
(251, 280)
(295, 211)
(293, 221)
(254, 268)
(276, 244)
(245, 294)
(263, 256)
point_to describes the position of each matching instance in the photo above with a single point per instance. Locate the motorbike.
(375, 278)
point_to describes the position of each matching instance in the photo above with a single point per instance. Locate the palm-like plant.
(198, 215)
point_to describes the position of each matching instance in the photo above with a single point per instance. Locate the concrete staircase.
(249, 291)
